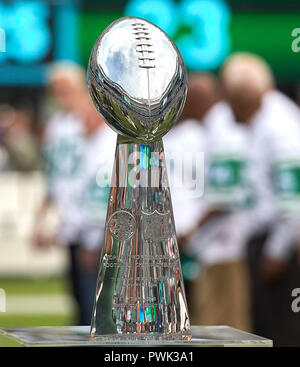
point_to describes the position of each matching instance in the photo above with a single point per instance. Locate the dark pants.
(83, 283)
(272, 315)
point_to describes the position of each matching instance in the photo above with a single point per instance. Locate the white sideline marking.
(39, 304)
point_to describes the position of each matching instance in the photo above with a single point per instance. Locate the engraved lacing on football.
(144, 46)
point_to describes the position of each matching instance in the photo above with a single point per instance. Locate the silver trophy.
(137, 80)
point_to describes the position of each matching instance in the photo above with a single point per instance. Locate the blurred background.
(36, 34)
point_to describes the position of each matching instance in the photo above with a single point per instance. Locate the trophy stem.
(140, 292)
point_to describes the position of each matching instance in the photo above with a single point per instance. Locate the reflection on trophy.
(137, 80)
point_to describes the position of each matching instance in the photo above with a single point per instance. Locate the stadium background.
(39, 32)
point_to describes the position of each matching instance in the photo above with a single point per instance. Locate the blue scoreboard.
(206, 43)
(34, 33)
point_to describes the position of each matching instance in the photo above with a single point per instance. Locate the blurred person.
(217, 237)
(72, 143)
(94, 195)
(63, 149)
(20, 141)
(7, 116)
(274, 124)
(190, 135)
(183, 145)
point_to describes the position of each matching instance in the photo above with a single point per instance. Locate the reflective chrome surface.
(140, 291)
(137, 79)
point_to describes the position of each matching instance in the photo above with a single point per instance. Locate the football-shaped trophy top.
(137, 79)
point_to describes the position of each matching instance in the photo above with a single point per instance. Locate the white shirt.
(276, 144)
(218, 119)
(184, 146)
(64, 146)
(96, 174)
(224, 236)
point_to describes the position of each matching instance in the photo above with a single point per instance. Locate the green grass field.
(34, 285)
(31, 292)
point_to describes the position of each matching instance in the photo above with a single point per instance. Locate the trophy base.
(202, 336)
(134, 338)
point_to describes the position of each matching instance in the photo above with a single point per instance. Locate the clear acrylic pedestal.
(202, 336)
